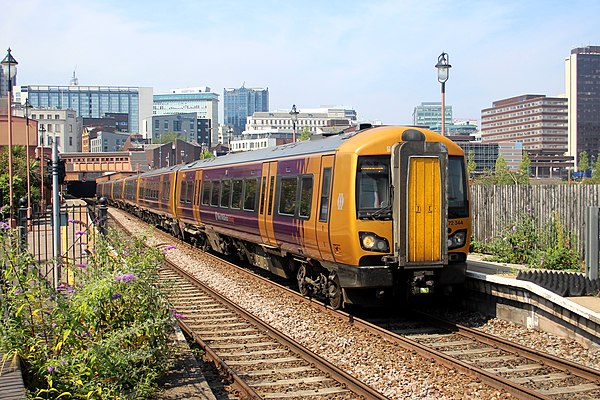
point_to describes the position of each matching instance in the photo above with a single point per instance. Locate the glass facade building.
(93, 101)
(241, 103)
(582, 69)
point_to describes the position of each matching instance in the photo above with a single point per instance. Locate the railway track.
(261, 361)
(523, 372)
(526, 373)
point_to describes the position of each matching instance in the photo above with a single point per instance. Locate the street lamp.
(9, 66)
(42, 139)
(182, 154)
(28, 108)
(294, 114)
(229, 135)
(443, 68)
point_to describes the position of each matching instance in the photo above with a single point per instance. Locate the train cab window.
(325, 190)
(225, 193)
(306, 190)
(250, 186)
(206, 186)
(373, 188)
(458, 205)
(287, 196)
(216, 191)
(236, 194)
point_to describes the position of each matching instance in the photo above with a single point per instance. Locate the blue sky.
(375, 56)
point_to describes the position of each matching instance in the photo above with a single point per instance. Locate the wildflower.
(18, 291)
(70, 290)
(51, 368)
(179, 316)
(81, 265)
(514, 228)
(516, 246)
(80, 233)
(125, 278)
(74, 221)
(169, 247)
(116, 296)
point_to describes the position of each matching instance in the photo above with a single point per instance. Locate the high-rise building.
(92, 101)
(582, 78)
(238, 104)
(535, 123)
(198, 100)
(429, 114)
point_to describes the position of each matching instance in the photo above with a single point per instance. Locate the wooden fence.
(496, 207)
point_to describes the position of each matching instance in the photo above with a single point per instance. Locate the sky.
(375, 56)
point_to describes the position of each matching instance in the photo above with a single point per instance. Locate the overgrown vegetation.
(19, 178)
(105, 337)
(551, 247)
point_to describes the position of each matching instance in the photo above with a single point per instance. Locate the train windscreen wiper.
(386, 212)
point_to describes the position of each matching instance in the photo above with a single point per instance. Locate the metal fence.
(496, 207)
(78, 224)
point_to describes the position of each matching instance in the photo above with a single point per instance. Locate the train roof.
(314, 146)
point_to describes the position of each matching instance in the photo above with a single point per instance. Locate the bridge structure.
(89, 166)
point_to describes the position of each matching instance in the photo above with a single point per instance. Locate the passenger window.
(206, 186)
(306, 189)
(225, 193)
(287, 196)
(216, 190)
(250, 186)
(325, 189)
(236, 194)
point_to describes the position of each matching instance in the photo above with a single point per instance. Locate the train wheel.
(334, 293)
(302, 285)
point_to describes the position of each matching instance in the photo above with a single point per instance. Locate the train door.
(420, 202)
(267, 198)
(322, 221)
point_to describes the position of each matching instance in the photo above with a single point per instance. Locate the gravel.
(395, 372)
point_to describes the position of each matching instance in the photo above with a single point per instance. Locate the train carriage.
(357, 217)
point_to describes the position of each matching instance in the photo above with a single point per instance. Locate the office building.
(92, 101)
(238, 104)
(108, 142)
(429, 114)
(187, 126)
(538, 124)
(582, 78)
(198, 100)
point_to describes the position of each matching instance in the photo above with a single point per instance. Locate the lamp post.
(42, 139)
(27, 107)
(182, 152)
(294, 114)
(443, 68)
(9, 65)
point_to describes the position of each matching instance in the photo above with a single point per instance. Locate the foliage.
(206, 154)
(595, 172)
(19, 170)
(583, 163)
(104, 337)
(168, 137)
(523, 170)
(523, 243)
(502, 175)
(304, 134)
(471, 165)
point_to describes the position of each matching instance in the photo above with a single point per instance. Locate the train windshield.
(373, 188)
(458, 206)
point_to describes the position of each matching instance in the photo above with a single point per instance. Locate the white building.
(59, 123)
(311, 118)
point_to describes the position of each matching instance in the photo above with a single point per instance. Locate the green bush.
(104, 337)
(523, 243)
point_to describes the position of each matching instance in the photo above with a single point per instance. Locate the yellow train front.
(357, 218)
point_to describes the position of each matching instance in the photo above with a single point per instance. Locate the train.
(363, 217)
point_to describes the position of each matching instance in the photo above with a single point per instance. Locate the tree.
(206, 154)
(583, 164)
(167, 137)
(19, 181)
(304, 134)
(523, 170)
(502, 173)
(596, 171)
(471, 166)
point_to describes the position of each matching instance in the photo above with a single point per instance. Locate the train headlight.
(457, 240)
(371, 242)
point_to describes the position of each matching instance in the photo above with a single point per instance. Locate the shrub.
(104, 337)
